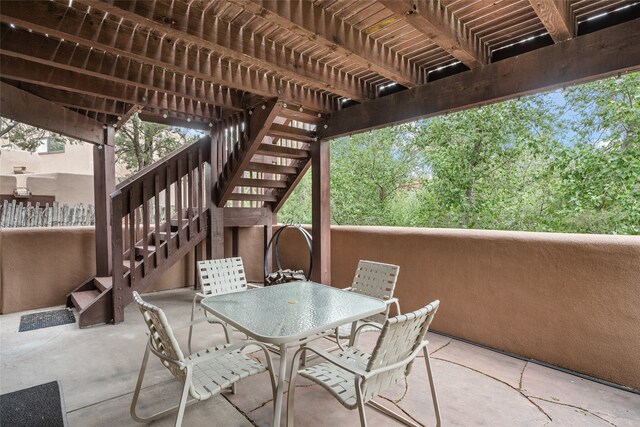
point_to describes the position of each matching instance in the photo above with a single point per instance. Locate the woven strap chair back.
(221, 276)
(161, 334)
(400, 336)
(376, 280)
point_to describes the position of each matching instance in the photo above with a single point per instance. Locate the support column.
(104, 183)
(215, 242)
(321, 212)
(267, 234)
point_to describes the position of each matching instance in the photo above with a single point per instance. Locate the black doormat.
(39, 406)
(45, 319)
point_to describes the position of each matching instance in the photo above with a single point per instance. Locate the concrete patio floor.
(98, 367)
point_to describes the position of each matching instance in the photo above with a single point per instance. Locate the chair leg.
(136, 395)
(193, 313)
(292, 387)
(183, 398)
(363, 417)
(434, 396)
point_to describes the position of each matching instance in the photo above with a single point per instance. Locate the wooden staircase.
(147, 237)
(266, 154)
(249, 166)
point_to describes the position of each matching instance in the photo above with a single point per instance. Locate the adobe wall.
(39, 266)
(570, 300)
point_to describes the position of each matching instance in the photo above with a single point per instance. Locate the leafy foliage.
(563, 161)
(27, 137)
(138, 143)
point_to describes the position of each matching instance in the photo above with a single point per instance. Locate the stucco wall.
(566, 299)
(39, 266)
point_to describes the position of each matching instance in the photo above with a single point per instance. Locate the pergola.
(272, 82)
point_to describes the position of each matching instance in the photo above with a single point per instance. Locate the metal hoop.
(276, 238)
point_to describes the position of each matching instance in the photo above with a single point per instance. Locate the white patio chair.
(355, 377)
(203, 374)
(217, 277)
(377, 280)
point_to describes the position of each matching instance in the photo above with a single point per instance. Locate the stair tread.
(83, 299)
(103, 283)
(262, 183)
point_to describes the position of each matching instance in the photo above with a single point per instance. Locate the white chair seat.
(214, 375)
(337, 381)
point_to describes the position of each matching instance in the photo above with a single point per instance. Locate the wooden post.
(215, 243)
(321, 212)
(268, 233)
(104, 183)
(235, 241)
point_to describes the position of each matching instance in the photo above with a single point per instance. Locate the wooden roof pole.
(321, 212)
(24, 107)
(557, 17)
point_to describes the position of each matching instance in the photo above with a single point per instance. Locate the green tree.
(139, 143)
(486, 165)
(371, 173)
(27, 137)
(599, 172)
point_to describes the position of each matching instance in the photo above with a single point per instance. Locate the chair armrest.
(374, 325)
(396, 365)
(332, 359)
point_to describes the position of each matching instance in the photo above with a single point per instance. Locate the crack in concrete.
(244, 414)
(286, 392)
(402, 410)
(500, 381)
(522, 376)
(574, 407)
(437, 349)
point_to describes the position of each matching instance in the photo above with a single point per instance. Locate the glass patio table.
(290, 315)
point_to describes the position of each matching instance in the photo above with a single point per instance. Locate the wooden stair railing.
(158, 215)
(146, 243)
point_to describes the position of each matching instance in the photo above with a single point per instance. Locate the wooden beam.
(205, 30)
(436, 22)
(586, 58)
(321, 212)
(126, 116)
(104, 183)
(215, 243)
(259, 123)
(93, 29)
(24, 107)
(44, 75)
(246, 217)
(557, 17)
(76, 100)
(310, 21)
(267, 235)
(90, 62)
